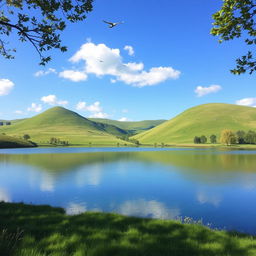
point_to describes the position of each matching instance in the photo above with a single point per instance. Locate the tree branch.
(24, 33)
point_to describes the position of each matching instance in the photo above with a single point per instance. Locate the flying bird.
(112, 24)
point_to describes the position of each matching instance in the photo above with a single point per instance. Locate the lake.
(217, 187)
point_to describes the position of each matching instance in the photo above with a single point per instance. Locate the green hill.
(129, 126)
(12, 142)
(205, 120)
(65, 125)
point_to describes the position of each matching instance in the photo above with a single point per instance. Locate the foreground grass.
(44, 230)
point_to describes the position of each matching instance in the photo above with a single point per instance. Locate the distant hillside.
(12, 142)
(66, 125)
(205, 120)
(129, 126)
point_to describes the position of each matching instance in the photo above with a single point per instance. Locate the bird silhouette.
(112, 24)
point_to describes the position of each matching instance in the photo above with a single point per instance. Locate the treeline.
(6, 123)
(126, 138)
(203, 139)
(56, 141)
(229, 137)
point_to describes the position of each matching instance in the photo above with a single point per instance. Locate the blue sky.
(174, 56)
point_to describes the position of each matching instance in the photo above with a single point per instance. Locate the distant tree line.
(56, 141)
(240, 137)
(126, 138)
(229, 137)
(160, 145)
(6, 123)
(203, 139)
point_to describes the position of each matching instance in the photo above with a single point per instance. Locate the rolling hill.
(66, 125)
(205, 120)
(129, 126)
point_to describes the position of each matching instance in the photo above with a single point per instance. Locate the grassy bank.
(207, 145)
(44, 230)
(12, 142)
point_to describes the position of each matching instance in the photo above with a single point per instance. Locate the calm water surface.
(218, 187)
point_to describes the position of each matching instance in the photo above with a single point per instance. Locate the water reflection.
(4, 195)
(203, 184)
(89, 176)
(47, 182)
(75, 208)
(144, 208)
(204, 197)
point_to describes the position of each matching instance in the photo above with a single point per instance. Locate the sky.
(159, 62)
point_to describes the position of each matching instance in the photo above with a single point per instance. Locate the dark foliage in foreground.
(43, 230)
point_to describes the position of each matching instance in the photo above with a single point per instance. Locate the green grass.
(66, 125)
(205, 120)
(132, 127)
(12, 142)
(47, 231)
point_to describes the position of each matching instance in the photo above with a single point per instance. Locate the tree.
(203, 139)
(240, 137)
(39, 22)
(250, 137)
(227, 137)
(197, 140)
(236, 19)
(26, 137)
(213, 139)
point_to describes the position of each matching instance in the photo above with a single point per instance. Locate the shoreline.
(196, 146)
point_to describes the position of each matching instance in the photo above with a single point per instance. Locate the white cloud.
(201, 91)
(95, 109)
(129, 49)
(75, 76)
(6, 86)
(113, 81)
(99, 115)
(152, 209)
(251, 102)
(53, 100)
(123, 119)
(35, 107)
(45, 72)
(125, 110)
(18, 112)
(101, 60)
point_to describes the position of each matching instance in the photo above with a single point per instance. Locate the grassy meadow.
(47, 231)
